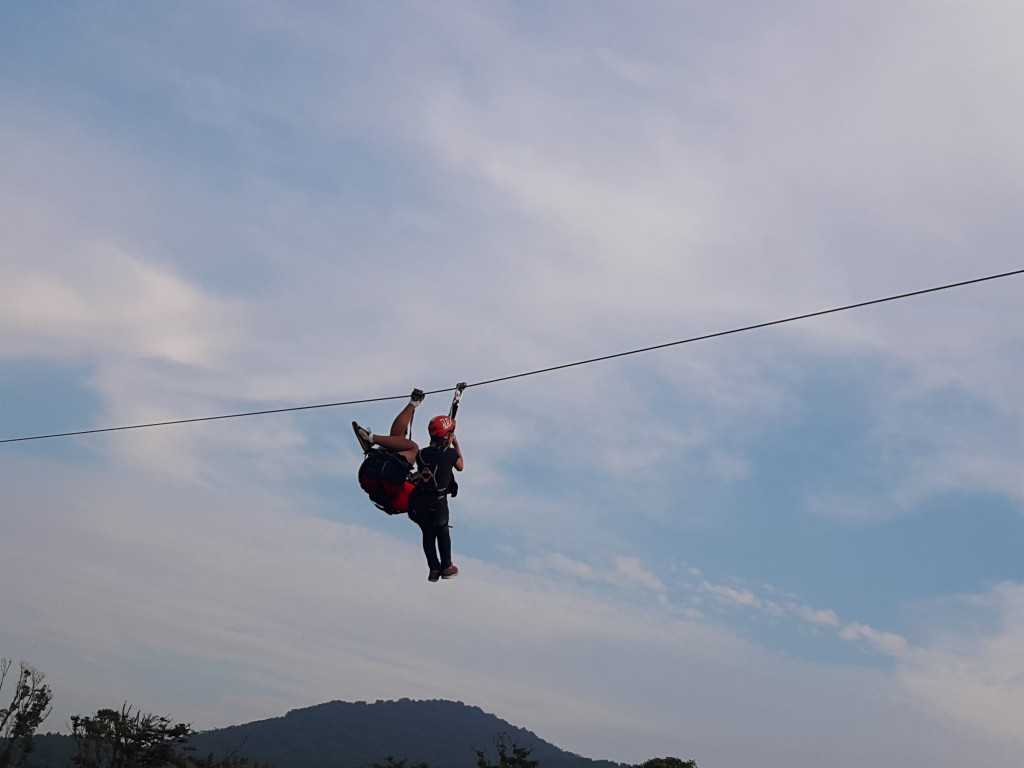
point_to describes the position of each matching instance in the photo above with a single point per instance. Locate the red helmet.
(441, 426)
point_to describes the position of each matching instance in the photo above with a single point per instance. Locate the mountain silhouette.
(338, 734)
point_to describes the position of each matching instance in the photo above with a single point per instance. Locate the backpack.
(385, 478)
(426, 478)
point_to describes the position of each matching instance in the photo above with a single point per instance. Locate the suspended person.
(429, 500)
(388, 467)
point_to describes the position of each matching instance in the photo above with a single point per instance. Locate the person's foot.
(416, 397)
(433, 575)
(363, 436)
(450, 572)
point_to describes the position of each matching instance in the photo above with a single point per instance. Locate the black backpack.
(383, 475)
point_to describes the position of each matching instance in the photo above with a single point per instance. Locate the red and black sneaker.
(433, 575)
(450, 572)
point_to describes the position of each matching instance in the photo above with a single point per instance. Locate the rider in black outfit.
(429, 502)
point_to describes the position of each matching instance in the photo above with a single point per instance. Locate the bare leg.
(401, 423)
(397, 441)
(398, 444)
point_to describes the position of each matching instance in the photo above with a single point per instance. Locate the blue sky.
(796, 546)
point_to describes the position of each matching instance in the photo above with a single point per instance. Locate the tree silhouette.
(509, 755)
(30, 705)
(668, 762)
(231, 761)
(120, 739)
(390, 762)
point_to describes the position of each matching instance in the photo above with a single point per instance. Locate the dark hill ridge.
(338, 734)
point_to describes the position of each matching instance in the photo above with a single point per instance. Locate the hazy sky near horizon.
(798, 546)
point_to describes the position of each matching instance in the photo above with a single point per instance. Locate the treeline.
(111, 738)
(123, 738)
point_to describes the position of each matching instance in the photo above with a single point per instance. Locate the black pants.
(437, 541)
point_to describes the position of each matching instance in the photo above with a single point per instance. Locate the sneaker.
(450, 572)
(433, 575)
(416, 397)
(363, 436)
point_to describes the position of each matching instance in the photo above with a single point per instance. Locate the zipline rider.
(387, 476)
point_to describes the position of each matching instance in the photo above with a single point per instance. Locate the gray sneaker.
(363, 436)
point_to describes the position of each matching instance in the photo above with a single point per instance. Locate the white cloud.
(886, 642)
(630, 569)
(560, 562)
(971, 674)
(622, 570)
(820, 616)
(743, 598)
(732, 596)
(976, 677)
(108, 304)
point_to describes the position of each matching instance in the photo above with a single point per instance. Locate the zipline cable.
(754, 327)
(536, 372)
(203, 418)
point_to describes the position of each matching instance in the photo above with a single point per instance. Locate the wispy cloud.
(622, 570)
(744, 598)
(886, 642)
